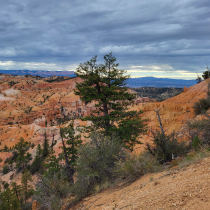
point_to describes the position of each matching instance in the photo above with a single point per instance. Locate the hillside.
(160, 94)
(31, 106)
(178, 188)
(175, 188)
(175, 111)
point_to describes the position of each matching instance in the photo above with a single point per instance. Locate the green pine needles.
(104, 84)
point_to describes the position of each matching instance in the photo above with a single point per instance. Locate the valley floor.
(178, 188)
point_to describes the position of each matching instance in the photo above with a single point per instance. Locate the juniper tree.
(104, 84)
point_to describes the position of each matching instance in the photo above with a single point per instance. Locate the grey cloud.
(138, 32)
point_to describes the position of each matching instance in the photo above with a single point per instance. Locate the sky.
(160, 38)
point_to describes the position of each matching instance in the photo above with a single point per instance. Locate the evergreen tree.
(5, 148)
(104, 84)
(72, 142)
(206, 74)
(52, 165)
(70, 148)
(36, 165)
(16, 190)
(26, 188)
(8, 201)
(45, 151)
(23, 157)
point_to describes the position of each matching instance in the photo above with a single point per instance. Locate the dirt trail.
(186, 188)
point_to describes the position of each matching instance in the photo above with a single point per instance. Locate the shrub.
(35, 166)
(166, 146)
(202, 106)
(32, 145)
(202, 130)
(96, 163)
(6, 185)
(5, 169)
(26, 206)
(50, 190)
(194, 157)
(196, 143)
(7, 159)
(206, 74)
(136, 166)
(10, 162)
(14, 155)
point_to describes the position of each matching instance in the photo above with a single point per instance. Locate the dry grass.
(193, 157)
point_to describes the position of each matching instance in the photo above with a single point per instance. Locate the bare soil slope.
(186, 188)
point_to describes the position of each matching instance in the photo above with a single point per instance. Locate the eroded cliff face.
(30, 103)
(174, 112)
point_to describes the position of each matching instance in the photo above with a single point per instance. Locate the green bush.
(196, 144)
(6, 185)
(26, 206)
(50, 190)
(166, 146)
(202, 130)
(206, 73)
(7, 159)
(5, 169)
(35, 166)
(202, 106)
(96, 163)
(14, 155)
(136, 166)
(193, 157)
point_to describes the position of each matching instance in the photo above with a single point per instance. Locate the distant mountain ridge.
(39, 73)
(159, 82)
(131, 82)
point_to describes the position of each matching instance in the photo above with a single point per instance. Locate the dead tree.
(53, 132)
(161, 126)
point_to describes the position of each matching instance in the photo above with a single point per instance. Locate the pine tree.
(70, 149)
(52, 165)
(104, 84)
(5, 148)
(8, 200)
(45, 151)
(16, 190)
(26, 177)
(23, 157)
(36, 165)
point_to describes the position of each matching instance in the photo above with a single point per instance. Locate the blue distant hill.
(158, 82)
(131, 82)
(39, 73)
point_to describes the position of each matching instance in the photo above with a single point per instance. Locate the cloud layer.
(171, 36)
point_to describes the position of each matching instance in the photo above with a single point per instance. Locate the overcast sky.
(161, 38)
